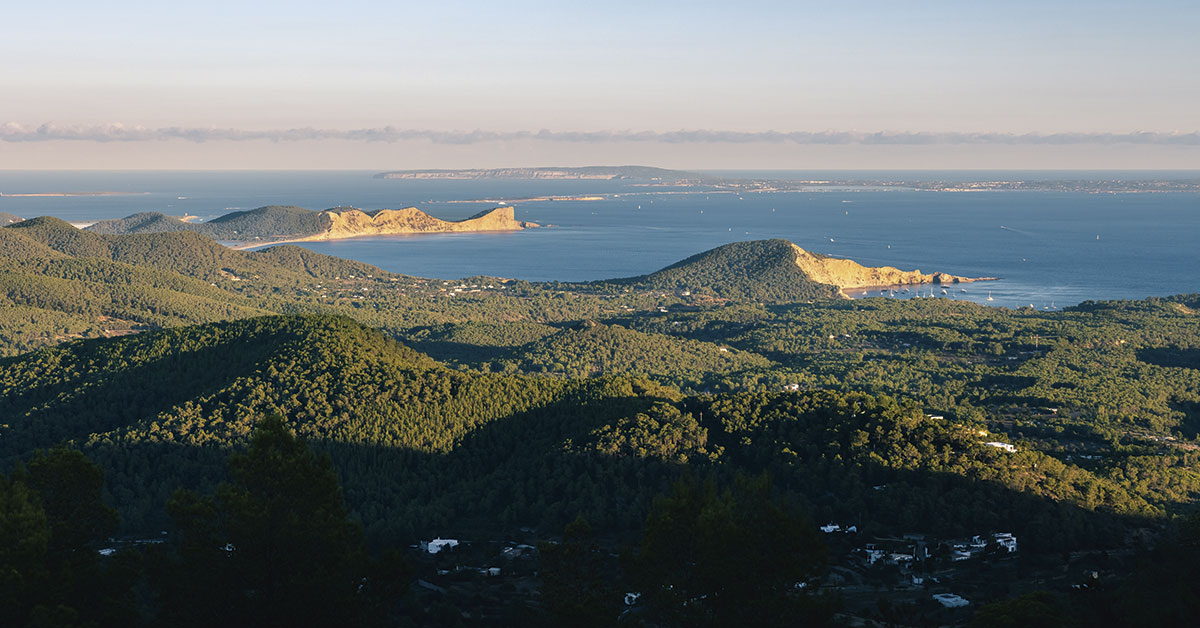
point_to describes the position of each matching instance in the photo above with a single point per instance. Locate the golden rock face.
(355, 222)
(845, 273)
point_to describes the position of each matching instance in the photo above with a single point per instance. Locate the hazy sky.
(692, 85)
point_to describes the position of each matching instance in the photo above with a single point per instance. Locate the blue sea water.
(1049, 248)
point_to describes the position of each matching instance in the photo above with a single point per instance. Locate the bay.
(1050, 249)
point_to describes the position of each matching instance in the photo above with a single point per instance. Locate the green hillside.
(761, 270)
(421, 448)
(272, 221)
(189, 254)
(499, 411)
(58, 283)
(144, 222)
(585, 349)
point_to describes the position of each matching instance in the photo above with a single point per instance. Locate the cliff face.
(845, 273)
(355, 222)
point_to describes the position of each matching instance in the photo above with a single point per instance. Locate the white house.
(438, 545)
(1005, 446)
(1006, 540)
(950, 600)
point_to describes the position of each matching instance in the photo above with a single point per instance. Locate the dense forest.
(597, 425)
(270, 222)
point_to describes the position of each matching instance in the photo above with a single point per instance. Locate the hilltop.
(58, 282)
(776, 270)
(288, 223)
(604, 173)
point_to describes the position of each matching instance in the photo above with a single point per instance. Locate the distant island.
(602, 173)
(734, 182)
(275, 224)
(36, 194)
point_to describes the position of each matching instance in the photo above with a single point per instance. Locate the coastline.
(897, 287)
(243, 245)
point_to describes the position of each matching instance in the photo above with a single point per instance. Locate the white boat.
(990, 296)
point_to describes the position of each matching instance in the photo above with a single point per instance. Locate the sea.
(1048, 248)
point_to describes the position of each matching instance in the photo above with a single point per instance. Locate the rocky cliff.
(845, 273)
(350, 223)
(278, 223)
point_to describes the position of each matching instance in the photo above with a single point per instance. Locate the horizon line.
(13, 132)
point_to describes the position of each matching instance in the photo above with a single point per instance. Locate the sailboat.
(990, 296)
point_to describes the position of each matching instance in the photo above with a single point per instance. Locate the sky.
(718, 85)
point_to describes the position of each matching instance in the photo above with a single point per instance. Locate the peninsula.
(277, 224)
(847, 274)
(777, 270)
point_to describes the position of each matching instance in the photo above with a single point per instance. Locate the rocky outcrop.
(350, 223)
(845, 273)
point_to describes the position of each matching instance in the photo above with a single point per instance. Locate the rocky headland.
(350, 223)
(275, 224)
(848, 274)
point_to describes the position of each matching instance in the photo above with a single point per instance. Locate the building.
(950, 600)
(1006, 541)
(437, 545)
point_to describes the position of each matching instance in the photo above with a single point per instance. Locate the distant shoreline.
(250, 246)
(56, 194)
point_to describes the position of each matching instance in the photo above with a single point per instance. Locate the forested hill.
(761, 270)
(159, 410)
(492, 410)
(186, 253)
(58, 282)
(778, 271)
(269, 222)
(142, 222)
(422, 449)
